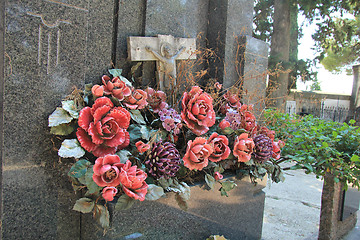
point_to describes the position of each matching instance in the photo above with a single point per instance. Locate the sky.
(329, 82)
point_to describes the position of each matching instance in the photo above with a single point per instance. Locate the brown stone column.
(331, 228)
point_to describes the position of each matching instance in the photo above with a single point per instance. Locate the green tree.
(337, 38)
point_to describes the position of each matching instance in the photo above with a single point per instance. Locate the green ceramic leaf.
(164, 182)
(127, 82)
(228, 185)
(59, 116)
(79, 168)
(70, 107)
(62, 129)
(124, 155)
(137, 117)
(223, 192)
(154, 192)
(90, 184)
(181, 202)
(145, 131)
(71, 148)
(102, 215)
(228, 131)
(84, 205)
(210, 181)
(115, 72)
(124, 202)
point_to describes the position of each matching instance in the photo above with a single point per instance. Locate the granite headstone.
(49, 46)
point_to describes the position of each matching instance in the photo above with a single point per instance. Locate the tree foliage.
(319, 146)
(337, 37)
(263, 19)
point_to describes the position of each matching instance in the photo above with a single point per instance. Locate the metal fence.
(337, 114)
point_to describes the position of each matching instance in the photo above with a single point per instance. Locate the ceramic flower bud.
(224, 124)
(108, 193)
(97, 90)
(232, 99)
(218, 176)
(277, 149)
(142, 147)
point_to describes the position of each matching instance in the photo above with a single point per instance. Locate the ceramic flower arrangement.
(130, 144)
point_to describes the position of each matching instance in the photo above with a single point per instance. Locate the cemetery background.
(50, 46)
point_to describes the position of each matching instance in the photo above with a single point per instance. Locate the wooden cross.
(165, 50)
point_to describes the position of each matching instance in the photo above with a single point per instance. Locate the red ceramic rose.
(133, 181)
(197, 111)
(232, 99)
(197, 154)
(220, 146)
(103, 127)
(107, 171)
(156, 99)
(136, 100)
(248, 120)
(113, 86)
(108, 193)
(243, 147)
(142, 147)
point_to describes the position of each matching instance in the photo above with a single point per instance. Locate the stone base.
(331, 227)
(238, 216)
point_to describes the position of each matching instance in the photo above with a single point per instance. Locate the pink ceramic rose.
(197, 110)
(243, 147)
(136, 100)
(156, 99)
(107, 171)
(108, 193)
(133, 181)
(113, 86)
(197, 154)
(220, 146)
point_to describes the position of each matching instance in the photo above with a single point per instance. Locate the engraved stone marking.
(67, 5)
(50, 32)
(165, 50)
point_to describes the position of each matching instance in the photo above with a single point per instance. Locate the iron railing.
(337, 114)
